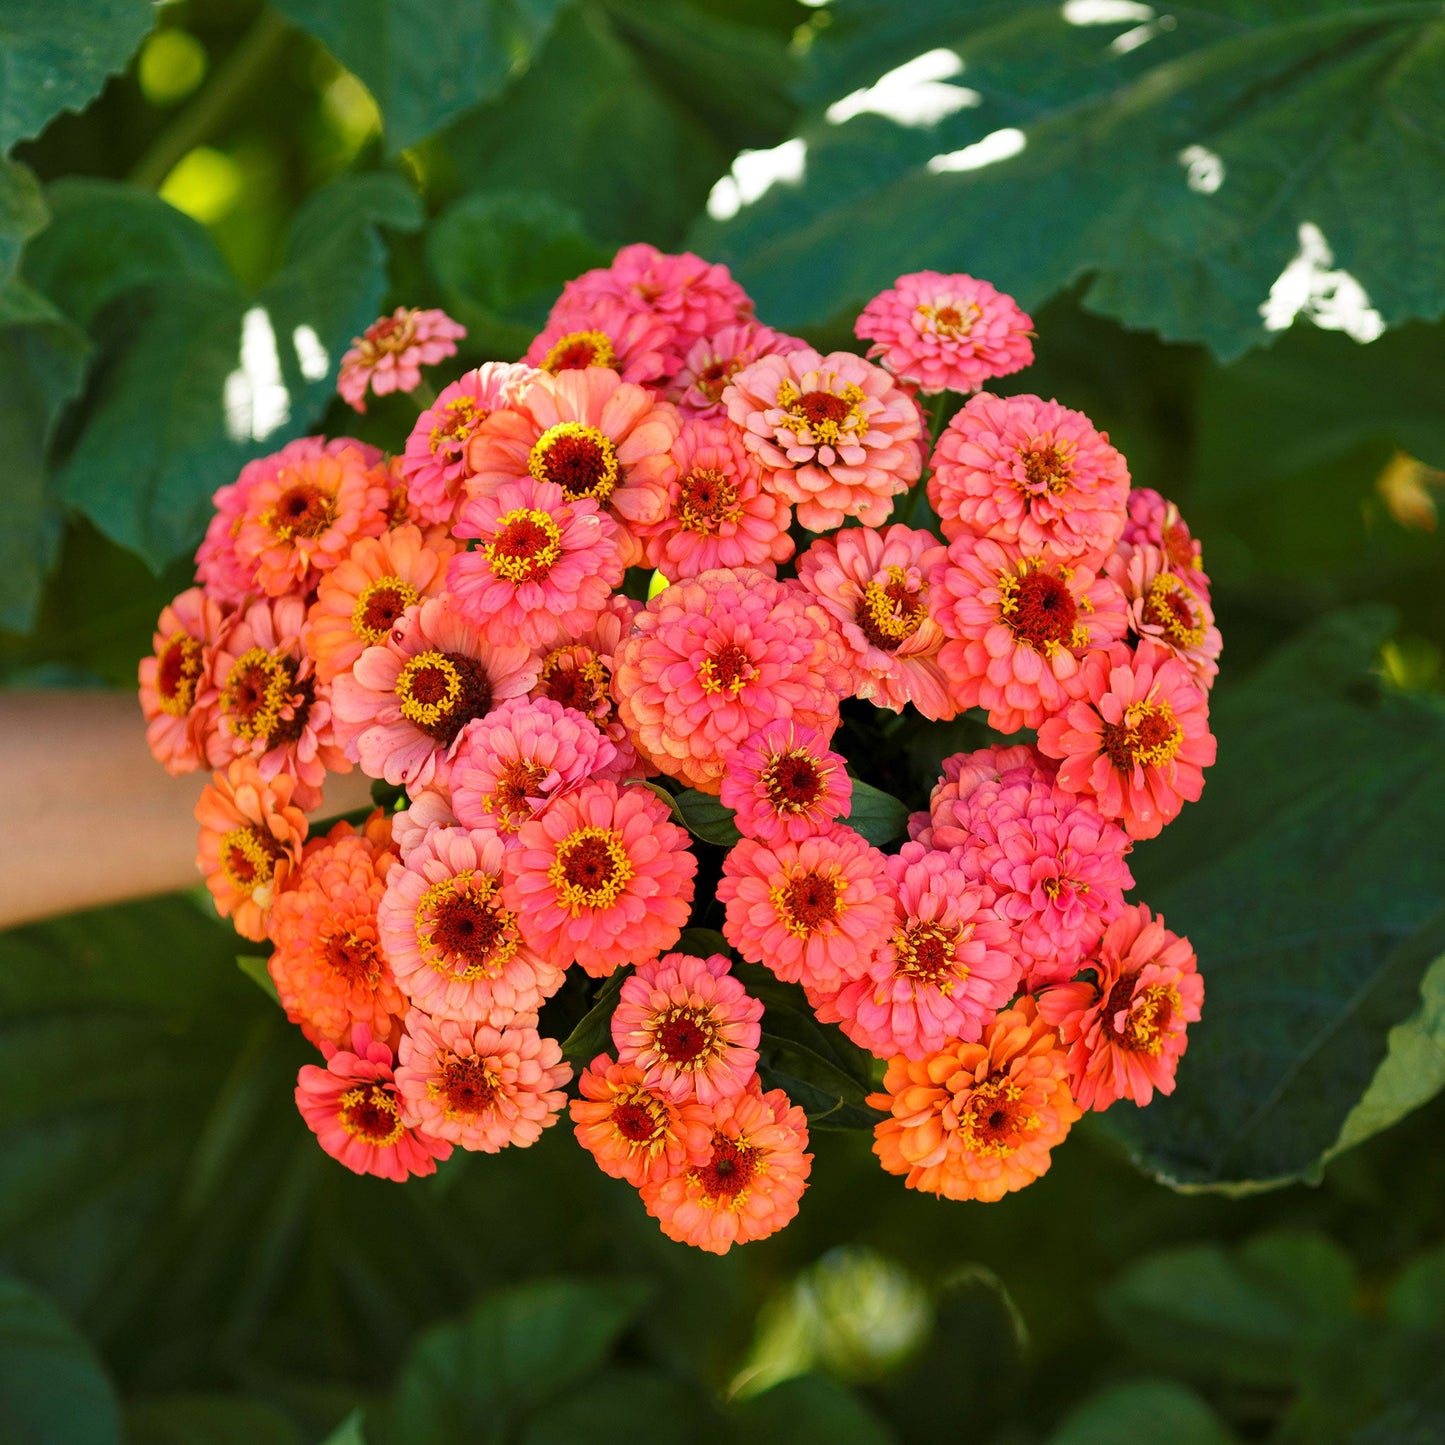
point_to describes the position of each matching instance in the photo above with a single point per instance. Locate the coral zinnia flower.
(712, 362)
(328, 966)
(1126, 1029)
(251, 837)
(177, 691)
(748, 1184)
(627, 338)
(784, 782)
(947, 968)
(946, 333)
(813, 912)
(457, 951)
(837, 435)
(1166, 609)
(1155, 522)
(434, 464)
(688, 1024)
(712, 659)
(389, 354)
(478, 1086)
(1031, 473)
(364, 596)
(405, 702)
(1137, 739)
(635, 1132)
(427, 808)
(602, 878)
(945, 825)
(512, 763)
(1020, 625)
(976, 1121)
(592, 434)
(718, 514)
(876, 585)
(544, 567)
(351, 1106)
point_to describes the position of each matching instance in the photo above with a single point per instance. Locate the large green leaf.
(22, 214)
(212, 1419)
(56, 56)
(1184, 166)
(1144, 1410)
(195, 377)
(1307, 880)
(425, 62)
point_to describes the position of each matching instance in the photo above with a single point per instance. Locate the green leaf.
(212, 1419)
(1143, 1410)
(22, 214)
(809, 1410)
(348, 1432)
(58, 55)
(1305, 880)
(254, 967)
(706, 818)
(1193, 163)
(1416, 1300)
(426, 62)
(877, 815)
(593, 1035)
(703, 942)
(53, 1388)
(623, 1406)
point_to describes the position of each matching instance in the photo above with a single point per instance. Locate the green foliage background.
(199, 200)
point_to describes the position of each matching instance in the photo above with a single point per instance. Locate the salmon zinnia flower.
(609, 332)
(1164, 608)
(712, 362)
(977, 1120)
(389, 354)
(748, 1184)
(177, 692)
(1155, 522)
(635, 1132)
(784, 782)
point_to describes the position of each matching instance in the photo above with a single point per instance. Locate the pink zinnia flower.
(1031, 473)
(1126, 1029)
(389, 354)
(1020, 624)
(718, 514)
(251, 837)
(1155, 522)
(748, 1184)
(544, 566)
(351, 1106)
(364, 596)
(404, 704)
(784, 782)
(328, 965)
(837, 435)
(688, 1024)
(627, 338)
(876, 585)
(712, 659)
(592, 434)
(601, 878)
(946, 333)
(225, 578)
(456, 949)
(477, 1086)
(427, 808)
(177, 692)
(1137, 738)
(635, 1132)
(945, 825)
(813, 912)
(509, 765)
(712, 362)
(943, 973)
(1164, 608)
(434, 464)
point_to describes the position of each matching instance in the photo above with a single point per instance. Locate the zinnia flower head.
(177, 691)
(389, 354)
(945, 825)
(225, 578)
(607, 331)
(712, 659)
(1136, 739)
(784, 782)
(946, 333)
(712, 362)
(836, 435)
(978, 1120)
(457, 950)
(250, 841)
(748, 1184)
(812, 911)
(1164, 608)
(635, 1132)
(512, 763)
(1029, 473)
(1155, 522)
(478, 1086)
(427, 808)
(544, 566)
(876, 585)
(351, 1106)
(1126, 1029)
(688, 1024)
(602, 878)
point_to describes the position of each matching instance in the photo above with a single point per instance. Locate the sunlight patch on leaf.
(998, 145)
(753, 174)
(1333, 299)
(916, 93)
(255, 398)
(1203, 169)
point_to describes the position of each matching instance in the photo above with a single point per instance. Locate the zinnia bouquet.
(621, 635)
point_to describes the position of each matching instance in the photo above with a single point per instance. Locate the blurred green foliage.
(1209, 211)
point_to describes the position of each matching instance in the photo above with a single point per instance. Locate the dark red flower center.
(731, 1169)
(1044, 611)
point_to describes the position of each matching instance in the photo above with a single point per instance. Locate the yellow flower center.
(950, 321)
(826, 417)
(890, 612)
(526, 546)
(1174, 609)
(590, 870)
(995, 1117)
(579, 459)
(578, 349)
(178, 670)
(379, 607)
(1149, 735)
(459, 418)
(462, 930)
(369, 1113)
